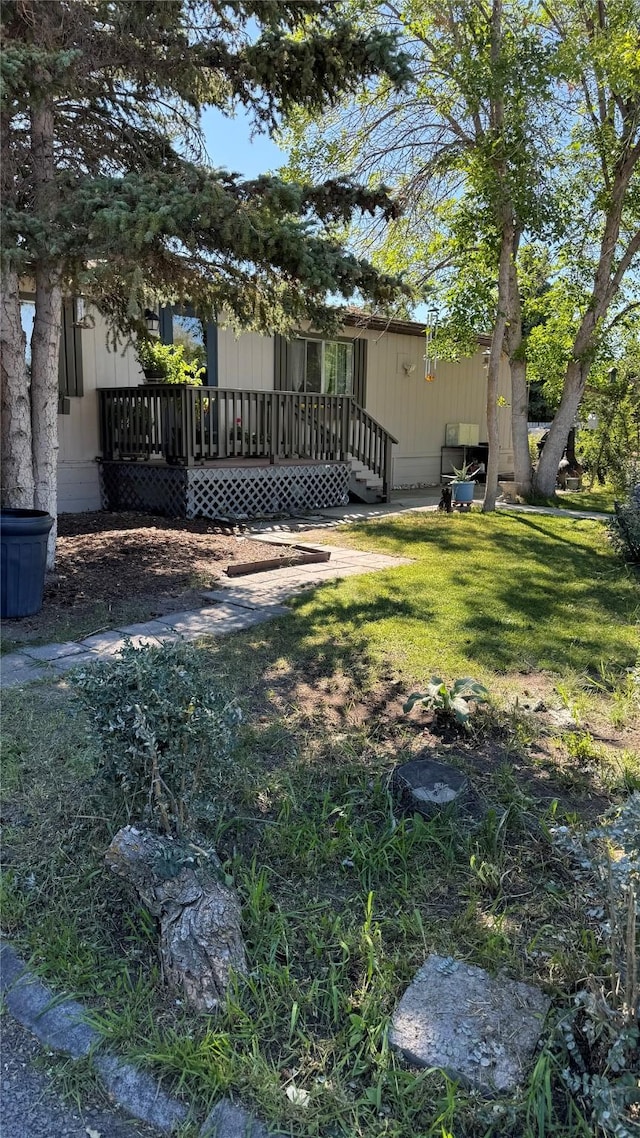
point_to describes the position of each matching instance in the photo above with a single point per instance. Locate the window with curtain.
(322, 366)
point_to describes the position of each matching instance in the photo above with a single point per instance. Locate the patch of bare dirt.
(153, 564)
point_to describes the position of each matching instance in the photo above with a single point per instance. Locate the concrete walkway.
(234, 605)
(402, 502)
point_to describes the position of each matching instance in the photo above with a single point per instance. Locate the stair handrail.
(376, 450)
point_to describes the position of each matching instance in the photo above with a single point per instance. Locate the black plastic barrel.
(23, 544)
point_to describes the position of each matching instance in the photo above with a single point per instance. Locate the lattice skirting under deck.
(234, 493)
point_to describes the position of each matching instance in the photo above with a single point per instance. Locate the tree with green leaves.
(491, 153)
(599, 180)
(466, 166)
(107, 190)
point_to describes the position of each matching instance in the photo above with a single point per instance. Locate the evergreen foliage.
(135, 207)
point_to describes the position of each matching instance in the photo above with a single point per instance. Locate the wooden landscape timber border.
(306, 555)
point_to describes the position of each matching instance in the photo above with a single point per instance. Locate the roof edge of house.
(357, 319)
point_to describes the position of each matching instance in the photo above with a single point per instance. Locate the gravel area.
(31, 1108)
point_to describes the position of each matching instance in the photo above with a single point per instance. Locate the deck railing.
(188, 425)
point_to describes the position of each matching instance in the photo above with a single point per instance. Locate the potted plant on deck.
(464, 483)
(166, 363)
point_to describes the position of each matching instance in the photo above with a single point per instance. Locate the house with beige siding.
(278, 425)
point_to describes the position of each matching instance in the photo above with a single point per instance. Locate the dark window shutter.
(360, 372)
(281, 372)
(70, 359)
(166, 325)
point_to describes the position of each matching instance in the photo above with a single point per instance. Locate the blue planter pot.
(463, 491)
(23, 549)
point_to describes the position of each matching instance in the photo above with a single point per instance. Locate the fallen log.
(199, 914)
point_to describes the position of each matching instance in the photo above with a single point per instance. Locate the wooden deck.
(219, 428)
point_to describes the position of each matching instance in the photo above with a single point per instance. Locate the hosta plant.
(450, 702)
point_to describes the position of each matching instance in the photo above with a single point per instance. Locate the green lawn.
(343, 896)
(486, 594)
(599, 500)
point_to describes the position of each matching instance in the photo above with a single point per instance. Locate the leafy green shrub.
(450, 703)
(624, 528)
(169, 361)
(167, 735)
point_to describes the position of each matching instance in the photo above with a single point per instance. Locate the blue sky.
(229, 145)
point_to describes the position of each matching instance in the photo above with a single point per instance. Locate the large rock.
(228, 1120)
(427, 786)
(199, 914)
(479, 1030)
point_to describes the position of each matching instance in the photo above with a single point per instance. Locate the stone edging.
(62, 1025)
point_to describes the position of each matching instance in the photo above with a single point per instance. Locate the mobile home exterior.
(375, 364)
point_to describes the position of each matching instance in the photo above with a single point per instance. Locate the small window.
(192, 334)
(323, 366)
(198, 337)
(70, 358)
(27, 316)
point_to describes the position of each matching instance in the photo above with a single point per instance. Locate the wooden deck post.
(386, 482)
(347, 404)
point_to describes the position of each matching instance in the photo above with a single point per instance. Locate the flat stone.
(227, 1120)
(103, 643)
(66, 663)
(563, 718)
(50, 652)
(16, 669)
(140, 1095)
(427, 786)
(480, 1030)
(59, 1024)
(241, 600)
(152, 629)
(216, 620)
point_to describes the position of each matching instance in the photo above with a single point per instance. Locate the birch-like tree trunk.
(506, 249)
(522, 470)
(564, 418)
(610, 271)
(45, 342)
(45, 351)
(493, 370)
(15, 429)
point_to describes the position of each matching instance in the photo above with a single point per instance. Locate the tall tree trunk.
(519, 391)
(45, 350)
(45, 344)
(547, 472)
(15, 436)
(507, 230)
(522, 468)
(493, 430)
(493, 370)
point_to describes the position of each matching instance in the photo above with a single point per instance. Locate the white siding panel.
(416, 411)
(78, 487)
(245, 362)
(101, 367)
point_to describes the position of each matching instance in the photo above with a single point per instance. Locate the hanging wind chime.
(430, 360)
